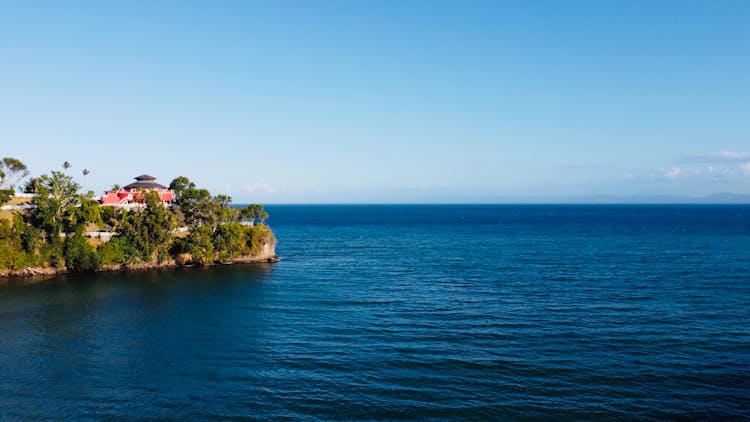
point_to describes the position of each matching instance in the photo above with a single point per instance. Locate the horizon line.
(487, 203)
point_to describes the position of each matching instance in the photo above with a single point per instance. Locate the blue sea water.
(401, 312)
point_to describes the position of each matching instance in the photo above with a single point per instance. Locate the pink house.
(133, 193)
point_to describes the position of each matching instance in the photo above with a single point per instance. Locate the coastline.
(39, 274)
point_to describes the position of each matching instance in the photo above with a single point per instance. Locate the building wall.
(132, 196)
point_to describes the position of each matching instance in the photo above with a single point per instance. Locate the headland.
(52, 227)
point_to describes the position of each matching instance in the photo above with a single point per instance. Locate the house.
(132, 194)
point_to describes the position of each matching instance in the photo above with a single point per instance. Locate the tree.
(57, 194)
(13, 251)
(85, 173)
(149, 231)
(113, 216)
(199, 208)
(198, 244)
(5, 195)
(253, 212)
(30, 186)
(88, 211)
(222, 211)
(196, 206)
(80, 255)
(179, 185)
(11, 171)
(229, 241)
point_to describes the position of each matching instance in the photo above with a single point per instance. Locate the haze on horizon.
(349, 102)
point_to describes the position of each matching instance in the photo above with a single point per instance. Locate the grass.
(94, 241)
(7, 214)
(18, 201)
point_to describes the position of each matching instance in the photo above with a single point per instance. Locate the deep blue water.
(391, 312)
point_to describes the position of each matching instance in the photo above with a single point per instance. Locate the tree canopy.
(253, 212)
(179, 184)
(12, 171)
(56, 200)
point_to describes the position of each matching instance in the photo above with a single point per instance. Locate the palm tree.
(85, 173)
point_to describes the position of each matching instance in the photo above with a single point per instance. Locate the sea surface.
(406, 312)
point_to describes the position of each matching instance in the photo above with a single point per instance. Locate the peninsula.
(52, 227)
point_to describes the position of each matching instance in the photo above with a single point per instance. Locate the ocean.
(483, 312)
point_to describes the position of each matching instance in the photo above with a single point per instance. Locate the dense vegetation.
(199, 229)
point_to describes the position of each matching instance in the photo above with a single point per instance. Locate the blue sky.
(389, 101)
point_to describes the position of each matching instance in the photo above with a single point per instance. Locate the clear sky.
(387, 101)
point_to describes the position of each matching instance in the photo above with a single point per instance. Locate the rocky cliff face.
(267, 254)
(32, 272)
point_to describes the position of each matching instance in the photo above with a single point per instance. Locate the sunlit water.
(389, 312)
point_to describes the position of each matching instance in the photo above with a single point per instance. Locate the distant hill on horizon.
(716, 198)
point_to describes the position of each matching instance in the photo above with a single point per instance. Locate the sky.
(383, 101)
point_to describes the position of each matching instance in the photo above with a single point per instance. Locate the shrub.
(116, 251)
(229, 241)
(80, 255)
(257, 236)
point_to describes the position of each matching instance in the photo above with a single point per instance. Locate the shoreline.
(39, 274)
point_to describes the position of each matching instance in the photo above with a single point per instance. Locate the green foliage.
(215, 234)
(196, 206)
(114, 217)
(149, 231)
(57, 197)
(199, 208)
(30, 186)
(12, 257)
(88, 211)
(198, 244)
(178, 185)
(144, 235)
(52, 234)
(229, 241)
(257, 236)
(253, 212)
(5, 195)
(12, 253)
(11, 171)
(9, 247)
(52, 253)
(30, 239)
(80, 255)
(117, 251)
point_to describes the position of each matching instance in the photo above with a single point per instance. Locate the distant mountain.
(717, 198)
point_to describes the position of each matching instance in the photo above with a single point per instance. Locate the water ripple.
(406, 312)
